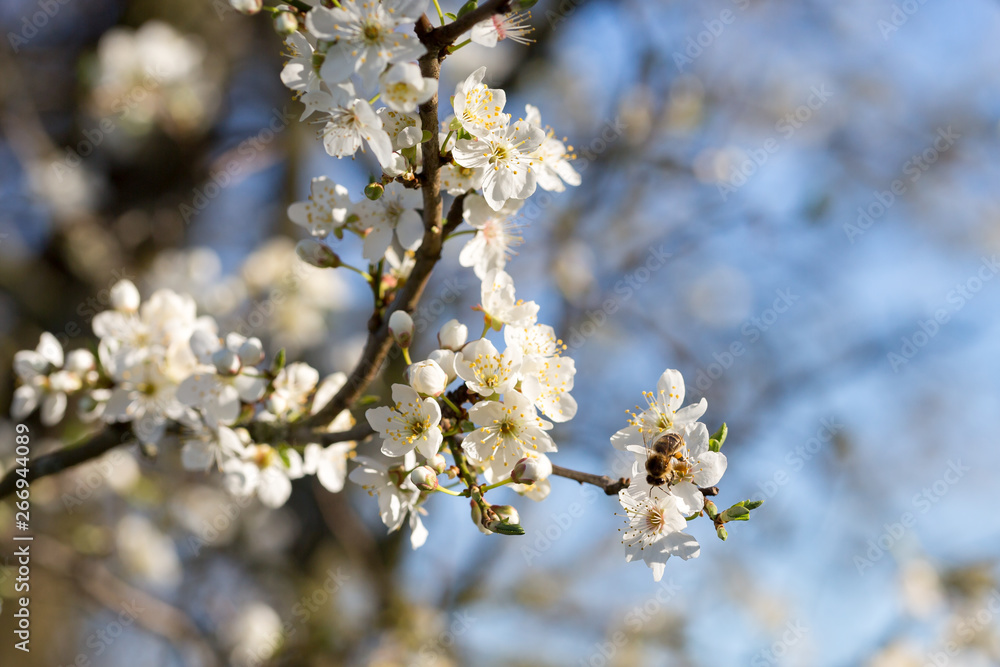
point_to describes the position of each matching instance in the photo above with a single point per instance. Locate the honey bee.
(665, 463)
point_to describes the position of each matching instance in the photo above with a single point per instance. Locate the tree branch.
(50, 464)
(610, 486)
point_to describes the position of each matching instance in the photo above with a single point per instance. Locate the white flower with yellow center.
(500, 304)
(299, 73)
(350, 121)
(324, 211)
(412, 423)
(506, 431)
(365, 37)
(404, 89)
(654, 529)
(553, 159)
(505, 155)
(393, 213)
(664, 414)
(478, 107)
(397, 495)
(485, 370)
(496, 235)
(546, 376)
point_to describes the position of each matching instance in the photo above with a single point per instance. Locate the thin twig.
(50, 464)
(610, 486)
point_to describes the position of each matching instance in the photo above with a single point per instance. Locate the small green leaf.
(279, 362)
(507, 528)
(426, 136)
(752, 504)
(368, 400)
(450, 15)
(467, 7)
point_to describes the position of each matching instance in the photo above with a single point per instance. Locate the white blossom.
(547, 377)
(404, 88)
(299, 74)
(392, 214)
(365, 37)
(453, 335)
(500, 304)
(350, 121)
(654, 529)
(505, 431)
(478, 107)
(499, 27)
(552, 159)
(485, 370)
(325, 210)
(427, 378)
(397, 495)
(496, 235)
(412, 422)
(506, 155)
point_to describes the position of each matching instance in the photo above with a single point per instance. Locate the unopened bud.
(453, 335)
(125, 297)
(427, 378)
(425, 478)
(374, 191)
(401, 328)
(752, 504)
(251, 352)
(532, 468)
(248, 7)
(445, 359)
(721, 532)
(507, 513)
(477, 518)
(285, 23)
(711, 510)
(80, 361)
(317, 254)
(736, 513)
(64, 381)
(226, 361)
(438, 463)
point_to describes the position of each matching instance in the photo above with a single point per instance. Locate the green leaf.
(507, 529)
(467, 7)
(752, 504)
(718, 438)
(450, 15)
(279, 362)
(368, 400)
(426, 136)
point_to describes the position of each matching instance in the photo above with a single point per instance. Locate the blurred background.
(791, 202)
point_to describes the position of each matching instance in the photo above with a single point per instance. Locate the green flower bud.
(374, 191)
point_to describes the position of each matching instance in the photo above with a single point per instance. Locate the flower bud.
(446, 360)
(453, 335)
(125, 297)
(736, 513)
(401, 328)
(80, 361)
(251, 352)
(285, 23)
(317, 254)
(226, 361)
(374, 191)
(438, 463)
(425, 478)
(532, 468)
(248, 7)
(722, 533)
(428, 378)
(507, 514)
(477, 518)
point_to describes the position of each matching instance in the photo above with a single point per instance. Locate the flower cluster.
(474, 414)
